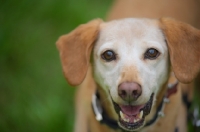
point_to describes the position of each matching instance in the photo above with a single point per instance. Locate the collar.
(103, 118)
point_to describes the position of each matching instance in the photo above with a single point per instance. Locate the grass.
(34, 95)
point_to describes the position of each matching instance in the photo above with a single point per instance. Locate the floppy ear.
(75, 49)
(184, 48)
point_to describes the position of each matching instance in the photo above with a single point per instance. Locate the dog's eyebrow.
(106, 45)
(155, 44)
(107, 37)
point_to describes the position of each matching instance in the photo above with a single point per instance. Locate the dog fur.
(81, 49)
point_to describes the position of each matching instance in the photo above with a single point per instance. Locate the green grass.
(34, 95)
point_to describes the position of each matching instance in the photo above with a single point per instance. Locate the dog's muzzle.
(132, 117)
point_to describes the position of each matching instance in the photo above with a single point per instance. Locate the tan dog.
(131, 61)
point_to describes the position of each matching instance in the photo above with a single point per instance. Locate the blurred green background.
(34, 96)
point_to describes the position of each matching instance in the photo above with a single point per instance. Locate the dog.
(127, 71)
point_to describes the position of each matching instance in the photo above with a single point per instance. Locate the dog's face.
(131, 61)
(130, 56)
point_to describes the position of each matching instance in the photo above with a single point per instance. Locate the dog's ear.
(184, 48)
(75, 49)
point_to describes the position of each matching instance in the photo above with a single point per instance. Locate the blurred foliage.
(34, 95)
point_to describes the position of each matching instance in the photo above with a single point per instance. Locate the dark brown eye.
(151, 54)
(108, 55)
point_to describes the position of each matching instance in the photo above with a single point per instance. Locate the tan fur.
(83, 102)
(127, 76)
(75, 64)
(187, 10)
(182, 110)
(168, 123)
(185, 63)
(77, 46)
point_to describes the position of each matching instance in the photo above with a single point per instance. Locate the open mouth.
(132, 117)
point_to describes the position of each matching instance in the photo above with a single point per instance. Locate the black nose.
(129, 91)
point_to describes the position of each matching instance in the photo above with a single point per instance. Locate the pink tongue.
(131, 110)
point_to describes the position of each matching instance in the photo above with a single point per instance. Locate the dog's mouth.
(132, 117)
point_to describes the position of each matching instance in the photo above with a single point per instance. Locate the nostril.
(122, 93)
(136, 94)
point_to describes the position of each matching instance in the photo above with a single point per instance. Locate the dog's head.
(131, 60)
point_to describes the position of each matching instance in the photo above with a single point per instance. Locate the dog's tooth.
(135, 120)
(121, 114)
(123, 117)
(141, 114)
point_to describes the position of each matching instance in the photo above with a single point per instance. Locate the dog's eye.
(108, 55)
(151, 54)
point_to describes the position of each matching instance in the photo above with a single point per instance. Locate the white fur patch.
(130, 39)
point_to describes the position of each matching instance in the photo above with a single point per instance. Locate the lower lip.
(131, 126)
